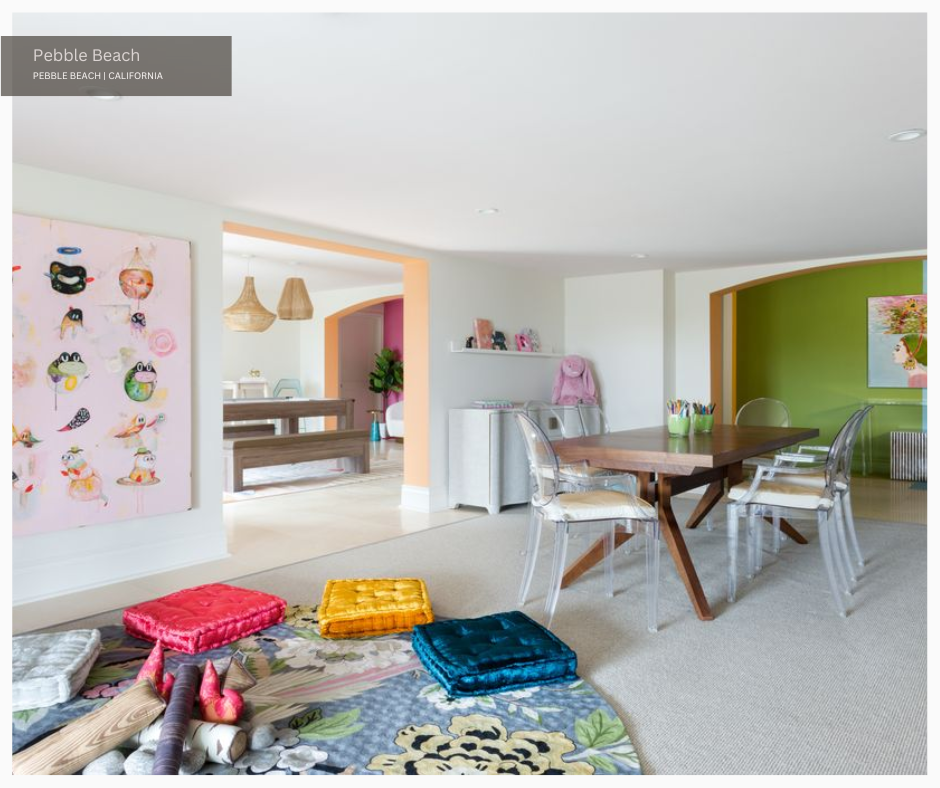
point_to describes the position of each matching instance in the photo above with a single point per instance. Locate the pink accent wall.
(394, 333)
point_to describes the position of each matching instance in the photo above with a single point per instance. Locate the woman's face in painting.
(900, 353)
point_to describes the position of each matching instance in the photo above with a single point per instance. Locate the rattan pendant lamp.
(295, 302)
(248, 313)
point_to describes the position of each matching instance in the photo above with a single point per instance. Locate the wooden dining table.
(666, 466)
(289, 410)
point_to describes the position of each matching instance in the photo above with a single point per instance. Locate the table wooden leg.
(645, 486)
(713, 494)
(790, 531)
(672, 534)
(593, 556)
(645, 489)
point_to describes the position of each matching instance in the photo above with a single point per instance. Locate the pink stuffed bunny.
(574, 383)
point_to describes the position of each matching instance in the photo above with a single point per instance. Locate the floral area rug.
(368, 707)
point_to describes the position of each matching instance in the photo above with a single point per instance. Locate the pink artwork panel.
(101, 375)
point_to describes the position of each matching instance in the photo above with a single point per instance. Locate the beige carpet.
(777, 683)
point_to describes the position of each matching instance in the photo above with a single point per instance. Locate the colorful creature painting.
(897, 341)
(140, 381)
(68, 279)
(144, 472)
(73, 321)
(79, 329)
(66, 373)
(25, 437)
(81, 417)
(84, 481)
(137, 279)
(138, 324)
(138, 424)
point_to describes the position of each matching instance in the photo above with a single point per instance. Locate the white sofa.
(395, 420)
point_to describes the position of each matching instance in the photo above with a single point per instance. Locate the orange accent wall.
(417, 340)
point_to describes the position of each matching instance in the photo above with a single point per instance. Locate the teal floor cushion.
(481, 656)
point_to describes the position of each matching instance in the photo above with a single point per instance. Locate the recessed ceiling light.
(907, 135)
(639, 255)
(103, 95)
(487, 211)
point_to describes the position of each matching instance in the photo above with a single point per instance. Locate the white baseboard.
(423, 499)
(32, 583)
(417, 499)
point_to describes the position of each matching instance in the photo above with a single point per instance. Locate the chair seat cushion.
(50, 668)
(369, 607)
(773, 493)
(505, 651)
(598, 505)
(815, 480)
(205, 617)
(581, 471)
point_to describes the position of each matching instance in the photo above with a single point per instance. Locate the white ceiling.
(700, 140)
(272, 261)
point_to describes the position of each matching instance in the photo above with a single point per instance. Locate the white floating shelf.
(458, 348)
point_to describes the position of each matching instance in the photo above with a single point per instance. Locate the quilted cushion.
(364, 608)
(598, 505)
(50, 668)
(480, 656)
(205, 617)
(774, 493)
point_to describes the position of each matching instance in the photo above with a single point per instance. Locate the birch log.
(72, 748)
(179, 712)
(222, 743)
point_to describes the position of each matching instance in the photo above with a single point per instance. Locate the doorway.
(361, 337)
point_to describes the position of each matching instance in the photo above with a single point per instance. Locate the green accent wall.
(803, 340)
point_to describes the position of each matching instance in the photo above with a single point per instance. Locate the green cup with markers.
(679, 417)
(703, 416)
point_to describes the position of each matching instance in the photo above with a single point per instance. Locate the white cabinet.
(487, 464)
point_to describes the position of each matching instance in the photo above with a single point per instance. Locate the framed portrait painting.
(897, 341)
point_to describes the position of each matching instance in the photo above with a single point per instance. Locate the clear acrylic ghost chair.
(760, 412)
(805, 467)
(763, 412)
(567, 509)
(291, 385)
(770, 495)
(580, 475)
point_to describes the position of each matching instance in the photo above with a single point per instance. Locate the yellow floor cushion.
(363, 608)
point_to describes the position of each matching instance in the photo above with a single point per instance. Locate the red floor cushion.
(205, 617)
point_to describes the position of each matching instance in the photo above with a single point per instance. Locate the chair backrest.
(543, 462)
(549, 419)
(837, 450)
(592, 418)
(844, 471)
(763, 412)
(288, 384)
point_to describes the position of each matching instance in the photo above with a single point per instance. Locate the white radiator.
(909, 456)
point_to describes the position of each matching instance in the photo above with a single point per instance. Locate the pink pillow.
(205, 617)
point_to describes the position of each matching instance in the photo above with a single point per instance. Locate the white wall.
(513, 299)
(617, 322)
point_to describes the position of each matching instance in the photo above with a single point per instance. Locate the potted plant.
(388, 376)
